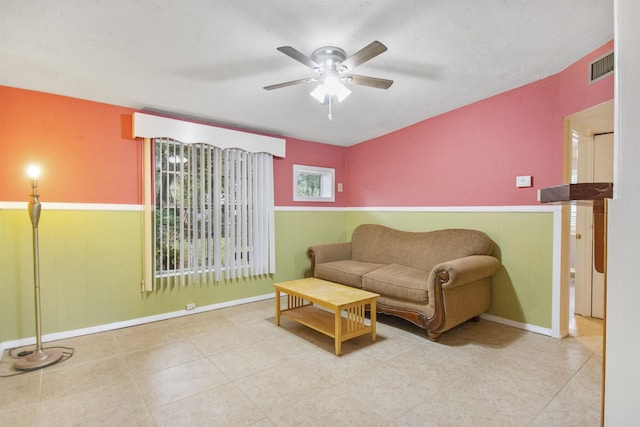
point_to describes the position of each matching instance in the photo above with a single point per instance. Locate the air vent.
(601, 67)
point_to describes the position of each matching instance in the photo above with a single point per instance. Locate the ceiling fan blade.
(298, 56)
(368, 52)
(291, 83)
(367, 81)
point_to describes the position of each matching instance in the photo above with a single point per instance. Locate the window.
(211, 211)
(212, 215)
(313, 184)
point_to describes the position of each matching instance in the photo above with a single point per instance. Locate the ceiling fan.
(333, 68)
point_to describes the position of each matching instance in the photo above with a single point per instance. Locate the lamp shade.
(331, 86)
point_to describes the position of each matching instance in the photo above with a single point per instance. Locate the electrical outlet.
(191, 306)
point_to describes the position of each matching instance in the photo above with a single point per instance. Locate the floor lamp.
(39, 358)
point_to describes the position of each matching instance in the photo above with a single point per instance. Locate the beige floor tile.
(25, 415)
(389, 392)
(144, 337)
(566, 413)
(265, 422)
(449, 410)
(19, 390)
(223, 339)
(539, 376)
(224, 406)
(264, 327)
(248, 313)
(234, 366)
(585, 326)
(483, 333)
(163, 356)
(387, 346)
(330, 407)
(429, 365)
(87, 396)
(501, 398)
(168, 385)
(86, 348)
(569, 352)
(248, 360)
(200, 323)
(281, 386)
(585, 387)
(84, 378)
(108, 406)
(335, 369)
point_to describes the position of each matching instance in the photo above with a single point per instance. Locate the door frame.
(589, 122)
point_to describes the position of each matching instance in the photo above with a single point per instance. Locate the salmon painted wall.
(575, 93)
(84, 149)
(308, 154)
(472, 155)
(87, 155)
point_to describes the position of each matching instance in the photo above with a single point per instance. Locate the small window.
(313, 184)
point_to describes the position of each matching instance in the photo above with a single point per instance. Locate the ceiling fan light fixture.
(333, 86)
(319, 93)
(330, 87)
(330, 63)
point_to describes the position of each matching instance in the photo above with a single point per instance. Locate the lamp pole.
(39, 358)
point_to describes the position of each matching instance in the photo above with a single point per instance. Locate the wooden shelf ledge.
(571, 192)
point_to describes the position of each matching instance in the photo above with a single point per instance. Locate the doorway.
(591, 135)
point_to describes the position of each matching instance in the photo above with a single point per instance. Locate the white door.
(584, 225)
(595, 164)
(602, 172)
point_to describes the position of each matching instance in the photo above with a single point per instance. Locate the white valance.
(150, 126)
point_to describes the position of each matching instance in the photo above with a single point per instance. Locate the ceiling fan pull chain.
(330, 116)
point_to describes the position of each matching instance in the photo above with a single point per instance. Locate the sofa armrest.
(319, 254)
(463, 270)
(459, 277)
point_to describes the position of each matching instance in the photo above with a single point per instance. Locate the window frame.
(149, 126)
(326, 187)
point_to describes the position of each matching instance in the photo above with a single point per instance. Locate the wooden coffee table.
(305, 296)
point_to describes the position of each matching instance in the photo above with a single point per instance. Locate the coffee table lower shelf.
(323, 321)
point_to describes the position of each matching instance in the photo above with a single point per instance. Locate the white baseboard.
(519, 325)
(126, 323)
(164, 316)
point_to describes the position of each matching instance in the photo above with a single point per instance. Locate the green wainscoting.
(91, 264)
(297, 230)
(90, 268)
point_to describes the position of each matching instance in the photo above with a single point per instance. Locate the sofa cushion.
(379, 244)
(346, 272)
(398, 281)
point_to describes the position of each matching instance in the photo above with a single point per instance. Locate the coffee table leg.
(338, 331)
(278, 307)
(372, 318)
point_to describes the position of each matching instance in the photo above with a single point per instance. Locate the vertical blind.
(213, 213)
(192, 201)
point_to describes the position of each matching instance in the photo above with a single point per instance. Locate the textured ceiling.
(210, 59)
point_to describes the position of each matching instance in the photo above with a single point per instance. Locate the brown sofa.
(436, 279)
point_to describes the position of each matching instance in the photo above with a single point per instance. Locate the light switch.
(523, 181)
(339, 187)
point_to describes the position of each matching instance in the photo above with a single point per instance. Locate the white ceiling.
(209, 59)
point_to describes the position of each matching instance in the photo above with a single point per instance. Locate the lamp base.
(38, 359)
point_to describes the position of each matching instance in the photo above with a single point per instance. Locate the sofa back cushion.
(423, 250)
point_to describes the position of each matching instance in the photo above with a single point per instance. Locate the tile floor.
(234, 367)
